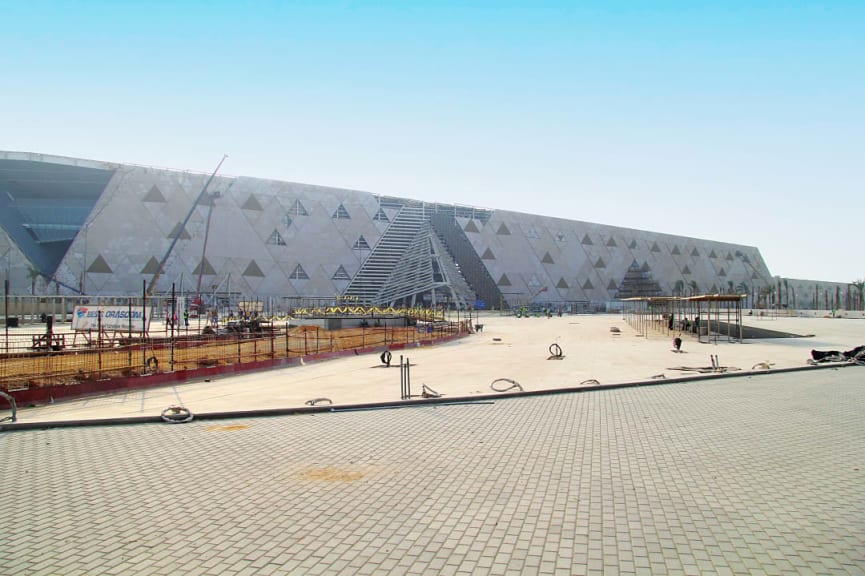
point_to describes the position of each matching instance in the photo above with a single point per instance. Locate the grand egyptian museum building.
(70, 226)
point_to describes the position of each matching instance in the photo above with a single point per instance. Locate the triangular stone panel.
(252, 203)
(204, 268)
(176, 229)
(154, 195)
(253, 270)
(99, 266)
(151, 267)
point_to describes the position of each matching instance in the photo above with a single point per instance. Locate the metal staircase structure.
(379, 265)
(470, 264)
(411, 262)
(426, 269)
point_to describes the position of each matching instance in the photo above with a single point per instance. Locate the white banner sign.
(114, 318)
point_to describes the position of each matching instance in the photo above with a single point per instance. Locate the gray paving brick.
(734, 476)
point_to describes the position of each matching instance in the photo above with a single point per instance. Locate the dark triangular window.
(504, 281)
(361, 244)
(675, 251)
(695, 253)
(547, 259)
(276, 239)
(488, 255)
(562, 284)
(471, 227)
(299, 273)
(587, 285)
(297, 209)
(655, 247)
(380, 216)
(503, 230)
(341, 213)
(612, 242)
(600, 263)
(587, 241)
(341, 274)
(633, 244)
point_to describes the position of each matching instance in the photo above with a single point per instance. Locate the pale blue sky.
(734, 121)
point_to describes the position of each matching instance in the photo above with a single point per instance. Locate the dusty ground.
(508, 347)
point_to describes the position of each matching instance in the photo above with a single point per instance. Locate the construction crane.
(161, 268)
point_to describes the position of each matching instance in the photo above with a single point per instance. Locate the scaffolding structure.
(706, 317)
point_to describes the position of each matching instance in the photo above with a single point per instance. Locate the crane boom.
(181, 228)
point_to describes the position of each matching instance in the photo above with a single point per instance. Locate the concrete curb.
(454, 400)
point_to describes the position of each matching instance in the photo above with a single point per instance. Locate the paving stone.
(724, 476)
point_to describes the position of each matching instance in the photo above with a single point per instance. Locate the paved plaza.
(750, 475)
(762, 473)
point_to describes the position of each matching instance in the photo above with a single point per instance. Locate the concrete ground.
(508, 347)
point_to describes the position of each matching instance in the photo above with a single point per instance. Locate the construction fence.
(30, 361)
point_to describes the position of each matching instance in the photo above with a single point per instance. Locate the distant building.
(71, 225)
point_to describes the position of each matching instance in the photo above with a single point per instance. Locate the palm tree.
(679, 288)
(860, 287)
(33, 274)
(694, 287)
(786, 293)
